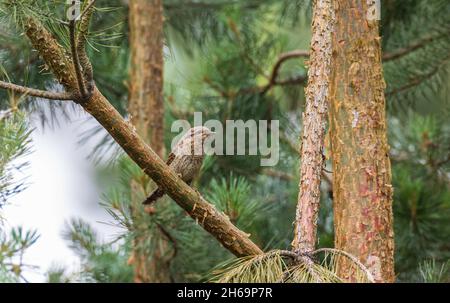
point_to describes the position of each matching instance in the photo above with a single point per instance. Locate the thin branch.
(351, 257)
(278, 174)
(419, 79)
(281, 59)
(81, 46)
(76, 60)
(36, 92)
(419, 43)
(272, 79)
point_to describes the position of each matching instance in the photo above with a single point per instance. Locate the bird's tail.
(158, 193)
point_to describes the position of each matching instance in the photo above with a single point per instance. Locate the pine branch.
(36, 92)
(275, 70)
(204, 213)
(278, 174)
(87, 11)
(76, 60)
(418, 79)
(419, 43)
(83, 30)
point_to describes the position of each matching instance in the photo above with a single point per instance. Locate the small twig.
(36, 92)
(419, 43)
(275, 70)
(419, 79)
(351, 257)
(278, 174)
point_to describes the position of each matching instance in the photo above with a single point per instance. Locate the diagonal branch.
(204, 213)
(419, 43)
(419, 79)
(388, 56)
(275, 71)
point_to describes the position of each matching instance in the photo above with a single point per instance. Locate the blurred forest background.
(219, 56)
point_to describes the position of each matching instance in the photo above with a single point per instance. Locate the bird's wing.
(170, 158)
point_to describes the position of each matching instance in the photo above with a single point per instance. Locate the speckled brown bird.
(186, 158)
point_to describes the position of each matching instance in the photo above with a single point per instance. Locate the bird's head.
(194, 138)
(201, 132)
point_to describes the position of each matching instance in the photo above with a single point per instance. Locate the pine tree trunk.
(362, 190)
(314, 126)
(145, 105)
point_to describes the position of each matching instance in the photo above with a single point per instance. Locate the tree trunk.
(146, 105)
(146, 108)
(362, 190)
(314, 126)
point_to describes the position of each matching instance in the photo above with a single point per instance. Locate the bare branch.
(281, 59)
(278, 174)
(36, 92)
(419, 43)
(419, 79)
(272, 80)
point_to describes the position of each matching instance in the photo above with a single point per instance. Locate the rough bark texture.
(146, 104)
(314, 126)
(146, 108)
(205, 214)
(362, 190)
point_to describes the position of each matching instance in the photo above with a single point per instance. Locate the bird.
(186, 158)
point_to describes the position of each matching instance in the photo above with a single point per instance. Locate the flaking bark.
(362, 190)
(146, 104)
(314, 127)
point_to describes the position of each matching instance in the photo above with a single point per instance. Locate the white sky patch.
(61, 186)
